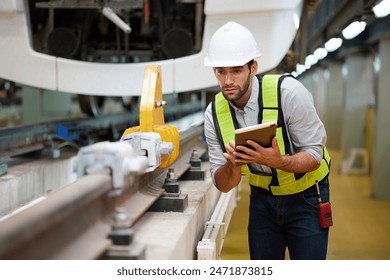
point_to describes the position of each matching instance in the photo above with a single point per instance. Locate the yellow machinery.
(151, 115)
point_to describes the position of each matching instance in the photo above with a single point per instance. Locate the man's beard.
(240, 94)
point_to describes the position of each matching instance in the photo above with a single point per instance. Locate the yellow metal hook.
(152, 113)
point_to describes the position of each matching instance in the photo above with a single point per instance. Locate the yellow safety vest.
(280, 182)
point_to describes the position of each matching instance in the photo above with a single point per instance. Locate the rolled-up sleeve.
(216, 157)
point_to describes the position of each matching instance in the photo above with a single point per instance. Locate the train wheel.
(91, 105)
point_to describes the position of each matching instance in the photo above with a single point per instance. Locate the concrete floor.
(361, 224)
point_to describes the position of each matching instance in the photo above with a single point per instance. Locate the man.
(284, 177)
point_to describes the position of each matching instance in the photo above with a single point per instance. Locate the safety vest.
(279, 182)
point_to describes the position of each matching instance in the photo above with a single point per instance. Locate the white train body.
(274, 24)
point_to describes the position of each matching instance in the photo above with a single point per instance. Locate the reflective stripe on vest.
(225, 121)
(281, 183)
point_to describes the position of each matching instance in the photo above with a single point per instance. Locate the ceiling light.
(296, 20)
(333, 44)
(310, 60)
(382, 9)
(354, 29)
(320, 53)
(300, 68)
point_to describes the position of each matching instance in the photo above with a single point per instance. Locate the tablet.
(260, 133)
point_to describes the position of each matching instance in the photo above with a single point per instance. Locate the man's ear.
(254, 68)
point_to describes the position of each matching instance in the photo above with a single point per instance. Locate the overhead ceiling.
(324, 19)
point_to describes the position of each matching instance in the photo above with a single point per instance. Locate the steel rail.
(74, 222)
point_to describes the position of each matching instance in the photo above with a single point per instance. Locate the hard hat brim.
(227, 63)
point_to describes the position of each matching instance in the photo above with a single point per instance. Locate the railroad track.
(84, 221)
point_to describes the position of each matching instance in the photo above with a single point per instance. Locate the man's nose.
(228, 78)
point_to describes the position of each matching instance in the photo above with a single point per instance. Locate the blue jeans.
(280, 222)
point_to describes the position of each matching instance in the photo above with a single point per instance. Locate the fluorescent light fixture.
(296, 21)
(300, 68)
(382, 9)
(320, 53)
(333, 44)
(354, 29)
(310, 60)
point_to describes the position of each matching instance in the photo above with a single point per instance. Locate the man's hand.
(230, 154)
(300, 162)
(257, 154)
(228, 175)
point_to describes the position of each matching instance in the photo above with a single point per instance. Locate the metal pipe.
(111, 15)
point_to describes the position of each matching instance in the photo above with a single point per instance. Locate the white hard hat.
(231, 45)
